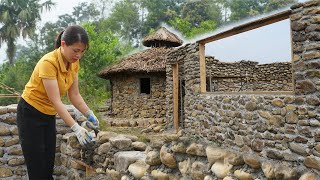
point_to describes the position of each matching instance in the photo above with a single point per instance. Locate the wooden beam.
(175, 75)
(248, 26)
(292, 62)
(202, 58)
(9, 95)
(90, 171)
(253, 92)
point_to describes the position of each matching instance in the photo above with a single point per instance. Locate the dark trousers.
(37, 133)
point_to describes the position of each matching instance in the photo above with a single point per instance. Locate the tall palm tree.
(18, 18)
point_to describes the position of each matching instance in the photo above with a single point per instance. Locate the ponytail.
(72, 34)
(58, 40)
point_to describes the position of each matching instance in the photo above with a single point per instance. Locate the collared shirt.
(50, 66)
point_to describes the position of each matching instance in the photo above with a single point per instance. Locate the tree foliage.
(19, 18)
(196, 12)
(104, 49)
(241, 9)
(155, 12)
(17, 75)
(124, 21)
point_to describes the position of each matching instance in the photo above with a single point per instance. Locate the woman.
(55, 74)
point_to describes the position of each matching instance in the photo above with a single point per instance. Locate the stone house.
(252, 134)
(274, 125)
(138, 81)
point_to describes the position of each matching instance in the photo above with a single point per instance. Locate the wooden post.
(202, 68)
(90, 171)
(292, 59)
(175, 75)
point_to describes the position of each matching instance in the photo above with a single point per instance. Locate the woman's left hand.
(92, 118)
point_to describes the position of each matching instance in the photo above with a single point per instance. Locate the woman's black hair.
(72, 34)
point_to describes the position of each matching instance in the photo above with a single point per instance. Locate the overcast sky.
(61, 7)
(266, 44)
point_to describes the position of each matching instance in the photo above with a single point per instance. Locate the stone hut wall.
(129, 103)
(276, 128)
(248, 76)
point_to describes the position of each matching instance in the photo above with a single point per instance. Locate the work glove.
(92, 118)
(82, 134)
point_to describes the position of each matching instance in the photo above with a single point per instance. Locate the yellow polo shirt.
(50, 66)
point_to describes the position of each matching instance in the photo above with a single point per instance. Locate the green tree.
(189, 31)
(241, 9)
(133, 19)
(65, 20)
(47, 36)
(181, 25)
(272, 5)
(104, 49)
(19, 18)
(18, 75)
(124, 21)
(157, 12)
(104, 7)
(196, 12)
(85, 12)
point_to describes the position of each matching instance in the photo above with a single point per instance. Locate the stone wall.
(129, 103)
(186, 52)
(171, 156)
(276, 128)
(274, 77)
(10, 153)
(239, 136)
(12, 164)
(248, 76)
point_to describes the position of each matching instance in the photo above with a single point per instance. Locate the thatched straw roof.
(149, 61)
(162, 37)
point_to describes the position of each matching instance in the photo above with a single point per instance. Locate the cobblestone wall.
(10, 152)
(129, 103)
(248, 76)
(261, 136)
(118, 156)
(12, 164)
(274, 77)
(276, 127)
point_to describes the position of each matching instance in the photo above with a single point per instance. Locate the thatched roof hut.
(151, 60)
(162, 37)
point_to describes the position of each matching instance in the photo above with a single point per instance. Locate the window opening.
(256, 67)
(145, 86)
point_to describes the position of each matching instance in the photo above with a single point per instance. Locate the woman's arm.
(52, 89)
(76, 98)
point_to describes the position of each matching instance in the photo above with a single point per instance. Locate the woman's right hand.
(82, 134)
